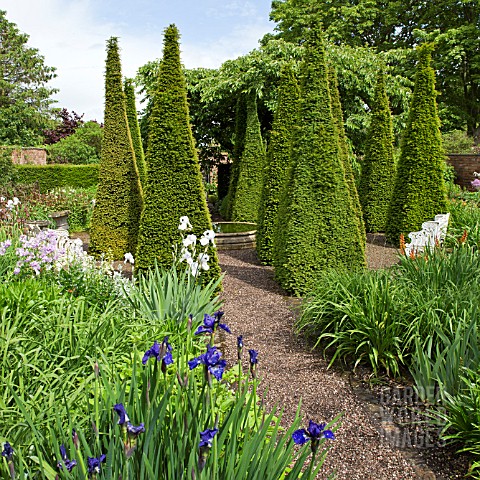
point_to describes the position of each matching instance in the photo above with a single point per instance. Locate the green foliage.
(378, 169)
(174, 182)
(419, 192)
(358, 315)
(223, 179)
(134, 128)
(462, 416)
(278, 162)
(119, 196)
(392, 28)
(24, 97)
(83, 146)
(246, 199)
(457, 141)
(464, 219)
(48, 177)
(319, 230)
(239, 144)
(7, 169)
(172, 295)
(344, 155)
(422, 314)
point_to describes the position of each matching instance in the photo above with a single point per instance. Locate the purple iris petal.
(153, 351)
(300, 436)
(225, 327)
(329, 434)
(315, 430)
(195, 362)
(240, 341)
(160, 352)
(135, 431)
(69, 464)
(209, 321)
(203, 329)
(167, 359)
(218, 369)
(7, 451)
(211, 358)
(206, 437)
(120, 410)
(94, 463)
(253, 356)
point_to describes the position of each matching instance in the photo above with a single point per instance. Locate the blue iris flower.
(133, 431)
(160, 352)
(122, 414)
(124, 420)
(69, 464)
(206, 437)
(315, 432)
(253, 356)
(210, 324)
(211, 360)
(7, 451)
(94, 463)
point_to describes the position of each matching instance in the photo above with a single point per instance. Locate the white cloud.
(72, 39)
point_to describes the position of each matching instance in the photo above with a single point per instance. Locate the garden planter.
(60, 219)
(35, 226)
(235, 235)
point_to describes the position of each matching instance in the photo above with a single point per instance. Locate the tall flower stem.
(310, 468)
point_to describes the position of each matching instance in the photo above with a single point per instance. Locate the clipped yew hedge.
(278, 161)
(49, 177)
(174, 182)
(134, 128)
(319, 232)
(378, 169)
(419, 192)
(246, 202)
(118, 203)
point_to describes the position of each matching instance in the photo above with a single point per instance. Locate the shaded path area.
(256, 307)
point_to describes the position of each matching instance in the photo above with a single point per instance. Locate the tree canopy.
(25, 98)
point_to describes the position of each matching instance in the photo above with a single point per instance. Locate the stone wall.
(36, 156)
(464, 165)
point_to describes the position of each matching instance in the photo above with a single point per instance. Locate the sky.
(72, 34)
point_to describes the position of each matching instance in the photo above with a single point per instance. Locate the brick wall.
(464, 165)
(36, 156)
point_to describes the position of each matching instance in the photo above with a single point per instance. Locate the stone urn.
(60, 219)
(36, 226)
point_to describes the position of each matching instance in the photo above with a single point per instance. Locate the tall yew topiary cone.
(118, 203)
(278, 159)
(251, 168)
(134, 127)
(319, 231)
(240, 127)
(356, 209)
(174, 182)
(378, 170)
(419, 192)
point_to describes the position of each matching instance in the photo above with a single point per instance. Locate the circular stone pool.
(235, 235)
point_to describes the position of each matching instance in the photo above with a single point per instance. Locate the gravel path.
(257, 308)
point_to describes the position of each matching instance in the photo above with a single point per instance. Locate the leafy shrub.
(359, 315)
(83, 147)
(7, 169)
(457, 141)
(462, 416)
(385, 318)
(48, 177)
